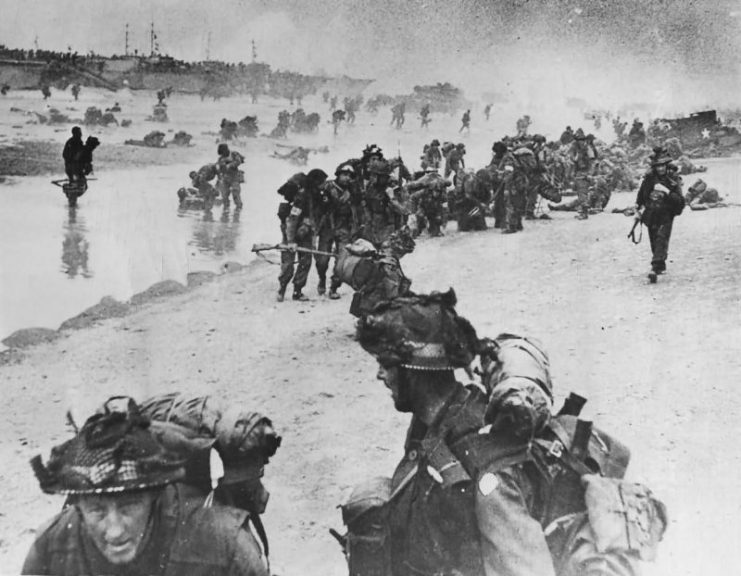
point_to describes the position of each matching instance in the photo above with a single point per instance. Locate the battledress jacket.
(657, 213)
(442, 522)
(187, 540)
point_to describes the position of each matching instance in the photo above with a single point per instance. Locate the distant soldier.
(454, 162)
(515, 169)
(473, 195)
(297, 224)
(582, 154)
(428, 195)
(230, 176)
(4, 89)
(337, 117)
(201, 183)
(433, 157)
(75, 89)
(72, 149)
(522, 126)
(335, 223)
(381, 204)
(465, 122)
(46, 92)
(700, 197)
(487, 111)
(424, 115)
(637, 134)
(658, 201)
(567, 136)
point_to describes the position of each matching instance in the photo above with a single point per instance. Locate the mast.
(126, 40)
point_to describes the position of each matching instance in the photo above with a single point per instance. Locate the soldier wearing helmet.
(658, 201)
(485, 486)
(230, 176)
(127, 511)
(337, 223)
(454, 162)
(583, 155)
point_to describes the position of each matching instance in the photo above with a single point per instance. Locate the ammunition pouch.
(624, 516)
(240, 176)
(368, 543)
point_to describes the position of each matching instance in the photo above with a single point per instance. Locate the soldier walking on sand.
(658, 201)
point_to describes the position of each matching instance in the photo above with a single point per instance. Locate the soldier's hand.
(291, 246)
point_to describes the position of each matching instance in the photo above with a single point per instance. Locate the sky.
(679, 52)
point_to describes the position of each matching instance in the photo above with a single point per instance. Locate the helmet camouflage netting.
(420, 332)
(113, 452)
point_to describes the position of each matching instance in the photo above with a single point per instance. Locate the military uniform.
(297, 226)
(523, 496)
(582, 157)
(515, 186)
(473, 194)
(659, 200)
(336, 218)
(127, 512)
(428, 193)
(189, 540)
(231, 178)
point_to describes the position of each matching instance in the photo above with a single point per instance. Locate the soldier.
(429, 194)
(75, 89)
(454, 162)
(424, 115)
(72, 149)
(230, 176)
(336, 224)
(522, 126)
(297, 224)
(473, 195)
(126, 512)
(487, 111)
(637, 134)
(658, 201)
(567, 136)
(582, 154)
(201, 182)
(514, 169)
(528, 495)
(433, 156)
(375, 273)
(465, 122)
(381, 205)
(700, 197)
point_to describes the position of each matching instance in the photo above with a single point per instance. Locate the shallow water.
(128, 233)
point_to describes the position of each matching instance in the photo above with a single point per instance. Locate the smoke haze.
(674, 56)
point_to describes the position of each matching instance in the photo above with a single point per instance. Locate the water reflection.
(216, 237)
(75, 246)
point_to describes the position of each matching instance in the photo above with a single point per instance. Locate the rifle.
(632, 233)
(263, 247)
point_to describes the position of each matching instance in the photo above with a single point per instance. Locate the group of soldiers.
(493, 480)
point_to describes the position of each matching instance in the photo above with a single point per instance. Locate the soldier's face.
(660, 169)
(391, 377)
(118, 524)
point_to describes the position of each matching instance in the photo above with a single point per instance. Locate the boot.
(299, 296)
(281, 294)
(322, 286)
(582, 216)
